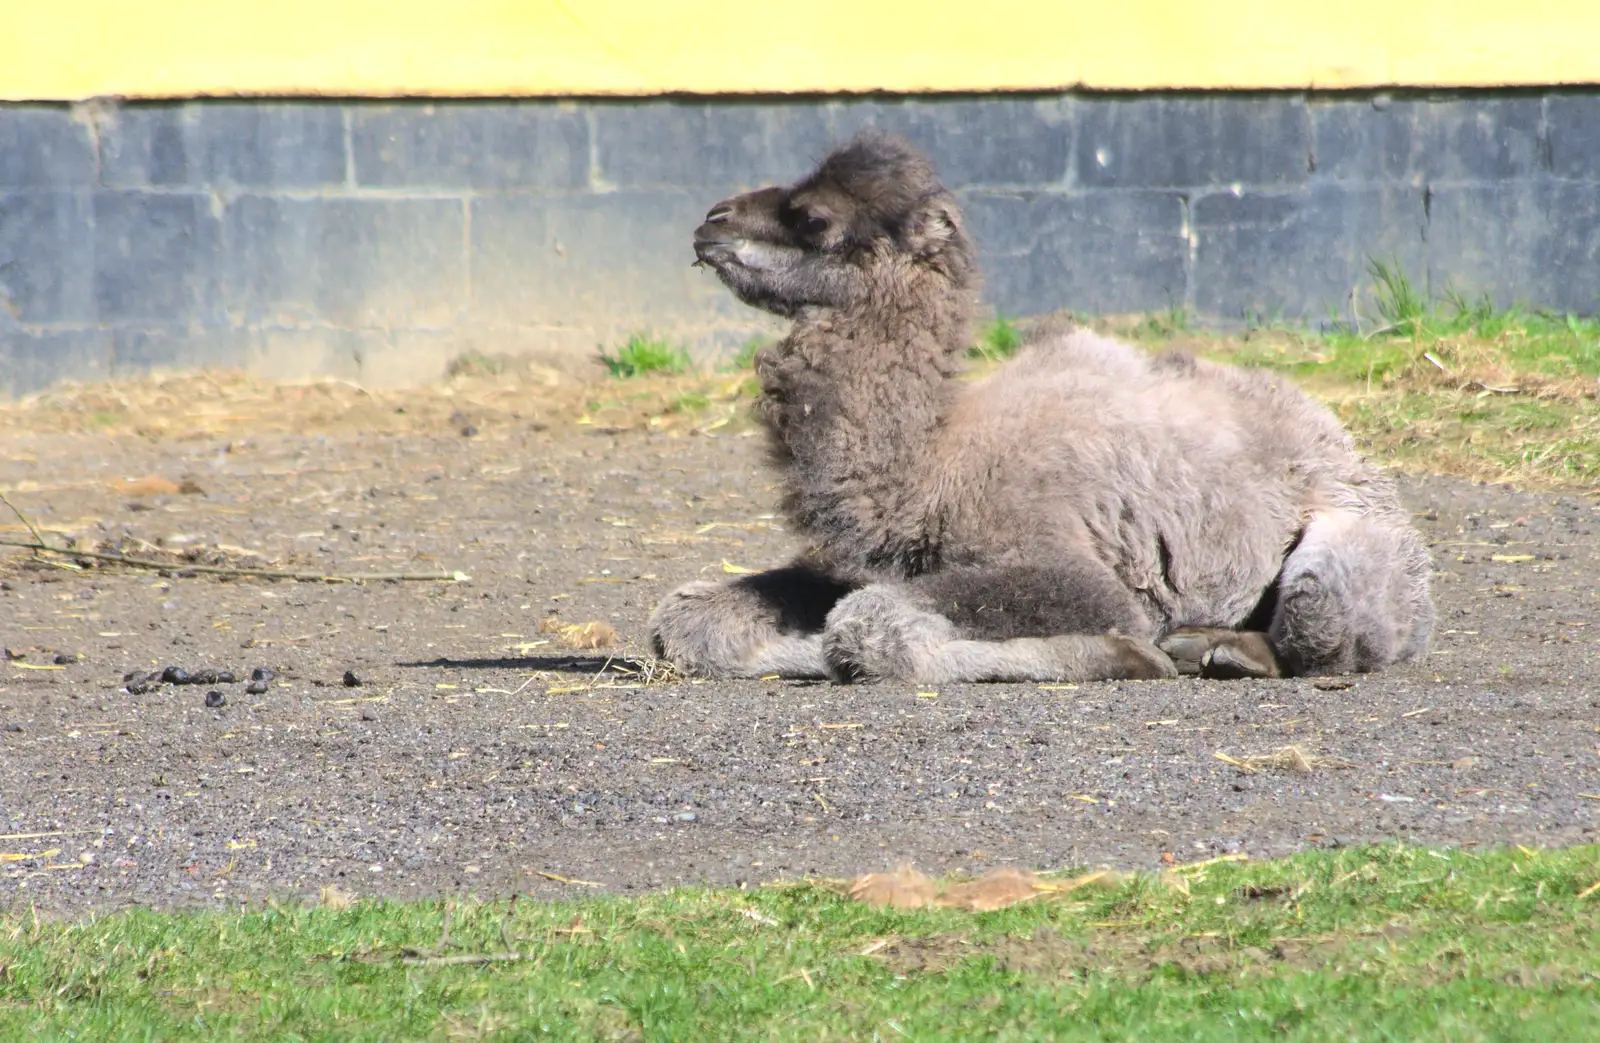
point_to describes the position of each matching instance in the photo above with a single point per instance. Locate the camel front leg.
(978, 624)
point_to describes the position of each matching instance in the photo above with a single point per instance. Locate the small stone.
(226, 677)
(262, 673)
(256, 688)
(143, 682)
(13, 727)
(203, 677)
(175, 675)
(215, 699)
(685, 816)
(63, 659)
(351, 680)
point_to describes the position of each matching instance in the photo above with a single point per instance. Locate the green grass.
(1385, 943)
(997, 340)
(745, 358)
(1402, 307)
(1165, 325)
(645, 354)
(690, 402)
(1444, 384)
(474, 363)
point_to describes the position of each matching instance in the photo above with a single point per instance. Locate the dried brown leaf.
(995, 890)
(905, 888)
(149, 485)
(332, 898)
(596, 633)
(1099, 880)
(1288, 758)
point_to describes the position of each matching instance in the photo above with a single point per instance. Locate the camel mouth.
(712, 248)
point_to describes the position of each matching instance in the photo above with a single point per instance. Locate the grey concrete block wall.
(376, 240)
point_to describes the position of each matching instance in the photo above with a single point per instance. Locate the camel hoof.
(1219, 654)
(1188, 648)
(1139, 660)
(1239, 661)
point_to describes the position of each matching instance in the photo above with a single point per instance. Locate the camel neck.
(853, 398)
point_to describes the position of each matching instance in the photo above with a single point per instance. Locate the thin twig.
(231, 570)
(558, 878)
(511, 910)
(464, 957)
(427, 955)
(24, 519)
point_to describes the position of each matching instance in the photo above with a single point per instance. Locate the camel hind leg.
(1352, 598)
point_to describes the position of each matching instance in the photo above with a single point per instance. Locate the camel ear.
(933, 227)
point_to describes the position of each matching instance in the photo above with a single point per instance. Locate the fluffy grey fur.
(1090, 511)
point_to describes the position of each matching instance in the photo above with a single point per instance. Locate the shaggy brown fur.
(1054, 521)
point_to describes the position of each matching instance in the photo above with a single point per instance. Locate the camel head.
(872, 209)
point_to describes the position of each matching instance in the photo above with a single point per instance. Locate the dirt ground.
(477, 754)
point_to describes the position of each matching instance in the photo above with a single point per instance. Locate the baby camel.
(1089, 511)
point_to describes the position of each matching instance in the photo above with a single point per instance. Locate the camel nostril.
(720, 212)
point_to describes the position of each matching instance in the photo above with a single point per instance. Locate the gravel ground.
(472, 757)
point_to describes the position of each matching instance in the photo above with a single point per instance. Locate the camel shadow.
(566, 664)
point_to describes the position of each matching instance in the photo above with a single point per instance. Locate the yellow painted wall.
(177, 48)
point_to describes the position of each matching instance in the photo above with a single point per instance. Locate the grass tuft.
(998, 340)
(690, 402)
(744, 359)
(1401, 306)
(645, 354)
(474, 363)
(1166, 325)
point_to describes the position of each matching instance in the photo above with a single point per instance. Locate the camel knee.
(1313, 629)
(1353, 598)
(701, 630)
(881, 633)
